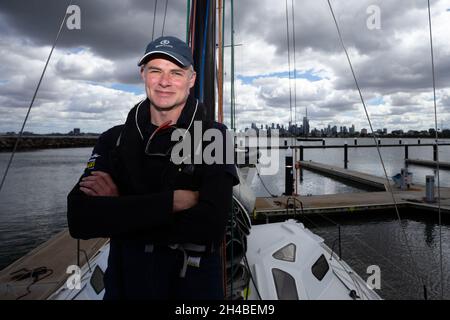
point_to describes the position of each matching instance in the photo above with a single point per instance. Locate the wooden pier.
(354, 177)
(428, 163)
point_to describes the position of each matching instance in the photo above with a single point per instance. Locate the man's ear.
(142, 72)
(192, 80)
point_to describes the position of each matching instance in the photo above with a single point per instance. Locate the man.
(166, 221)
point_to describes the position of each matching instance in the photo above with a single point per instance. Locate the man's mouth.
(164, 94)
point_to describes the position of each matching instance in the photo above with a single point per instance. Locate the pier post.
(379, 142)
(435, 152)
(301, 153)
(429, 188)
(345, 156)
(323, 143)
(289, 177)
(356, 142)
(418, 141)
(406, 152)
(400, 141)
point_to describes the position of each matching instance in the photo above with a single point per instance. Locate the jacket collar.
(132, 141)
(192, 110)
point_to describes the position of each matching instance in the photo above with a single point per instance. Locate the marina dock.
(349, 202)
(354, 177)
(428, 163)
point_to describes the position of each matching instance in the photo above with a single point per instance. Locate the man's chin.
(165, 106)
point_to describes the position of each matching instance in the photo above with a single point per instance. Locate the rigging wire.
(223, 50)
(233, 127)
(32, 100)
(289, 63)
(203, 55)
(154, 19)
(263, 184)
(219, 64)
(188, 23)
(290, 87)
(164, 21)
(377, 146)
(192, 28)
(355, 283)
(437, 151)
(233, 96)
(294, 151)
(295, 63)
(362, 242)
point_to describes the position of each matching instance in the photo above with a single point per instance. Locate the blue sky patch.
(308, 75)
(77, 50)
(133, 88)
(376, 101)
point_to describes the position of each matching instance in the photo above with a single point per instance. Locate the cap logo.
(164, 43)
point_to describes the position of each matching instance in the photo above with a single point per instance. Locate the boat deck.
(55, 255)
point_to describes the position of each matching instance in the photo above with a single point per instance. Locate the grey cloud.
(112, 28)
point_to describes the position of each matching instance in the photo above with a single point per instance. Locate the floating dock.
(349, 202)
(354, 177)
(428, 163)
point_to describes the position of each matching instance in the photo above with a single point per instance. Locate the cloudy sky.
(92, 79)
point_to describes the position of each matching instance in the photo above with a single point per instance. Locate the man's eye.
(178, 74)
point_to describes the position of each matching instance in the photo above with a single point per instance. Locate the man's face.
(167, 85)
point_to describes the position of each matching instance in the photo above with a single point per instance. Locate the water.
(378, 240)
(33, 199)
(33, 208)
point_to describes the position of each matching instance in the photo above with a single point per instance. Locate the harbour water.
(33, 208)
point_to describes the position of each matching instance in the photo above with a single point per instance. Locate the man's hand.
(184, 199)
(99, 184)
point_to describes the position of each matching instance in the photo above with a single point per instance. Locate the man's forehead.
(161, 59)
(160, 65)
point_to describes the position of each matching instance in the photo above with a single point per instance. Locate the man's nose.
(165, 79)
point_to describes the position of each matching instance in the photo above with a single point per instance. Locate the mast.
(233, 102)
(220, 70)
(204, 49)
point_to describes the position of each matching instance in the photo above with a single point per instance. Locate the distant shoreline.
(28, 143)
(46, 142)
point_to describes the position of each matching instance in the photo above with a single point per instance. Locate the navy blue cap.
(170, 46)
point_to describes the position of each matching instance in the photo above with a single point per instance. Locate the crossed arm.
(95, 209)
(100, 183)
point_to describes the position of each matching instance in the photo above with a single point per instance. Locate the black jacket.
(143, 211)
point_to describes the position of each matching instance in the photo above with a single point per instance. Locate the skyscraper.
(306, 124)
